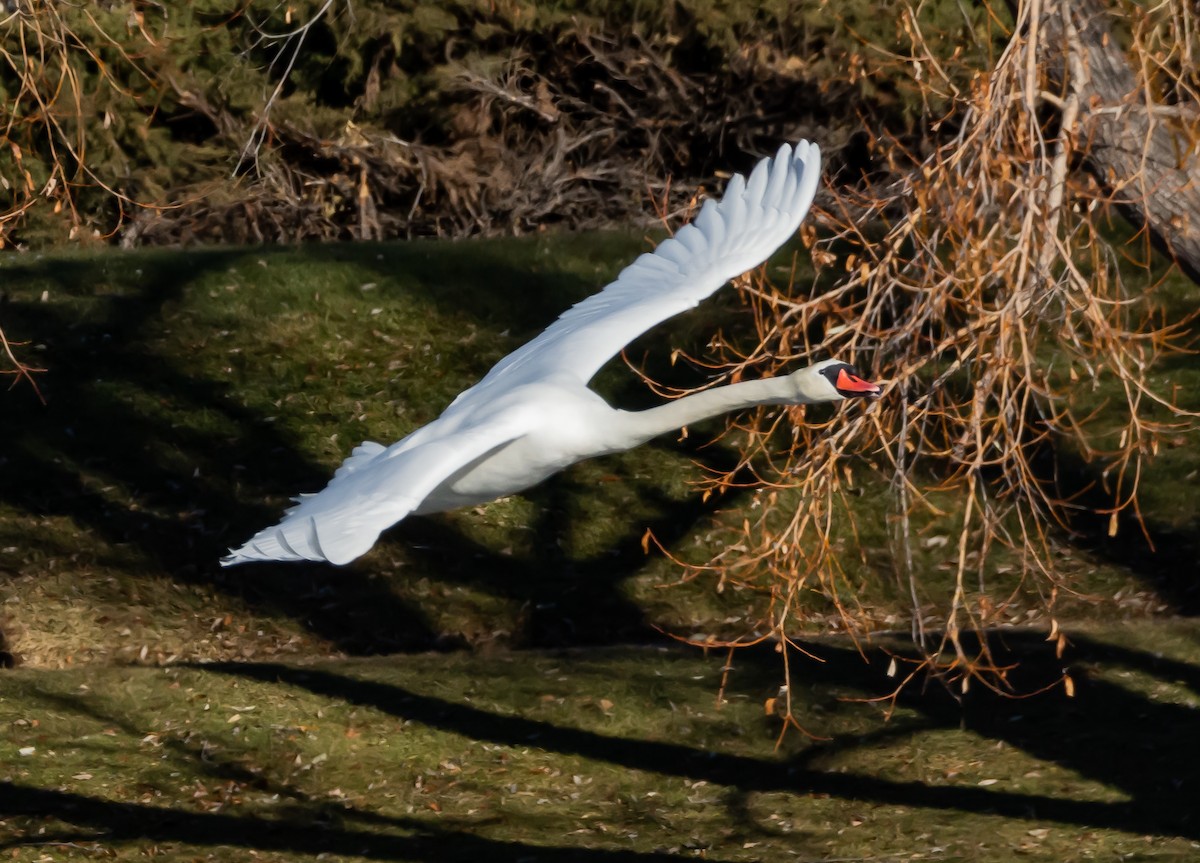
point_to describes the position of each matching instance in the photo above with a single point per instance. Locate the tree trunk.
(1146, 155)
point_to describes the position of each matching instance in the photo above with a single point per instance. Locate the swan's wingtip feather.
(808, 156)
(314, 538)
(735, 187)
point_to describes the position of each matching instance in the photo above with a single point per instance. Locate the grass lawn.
(170, 708)
(616, 753)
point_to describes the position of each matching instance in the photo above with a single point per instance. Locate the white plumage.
(533, 414)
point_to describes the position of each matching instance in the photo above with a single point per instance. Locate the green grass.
(190, 393)
(609, 753)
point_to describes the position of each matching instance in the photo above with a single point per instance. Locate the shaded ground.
(167, 437)
(190, 394)
(616, 753)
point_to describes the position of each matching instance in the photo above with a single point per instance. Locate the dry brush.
(978, 279)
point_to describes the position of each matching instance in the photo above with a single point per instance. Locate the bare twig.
(19, 370)
(258, 132)
(989, 303)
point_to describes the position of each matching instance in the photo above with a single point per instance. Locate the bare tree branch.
(1145, 154)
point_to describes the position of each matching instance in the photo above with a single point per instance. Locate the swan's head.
(834, 380)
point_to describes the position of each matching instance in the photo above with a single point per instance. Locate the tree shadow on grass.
(1119, 737)
(1162, 552)
(113, 823)
(155, 483)
(144, 462)
(1168, 568)
(567, 598)
(1146, 750)
(1143, 749)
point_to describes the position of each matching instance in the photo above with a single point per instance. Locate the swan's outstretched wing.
(727, 238)
(372, 490)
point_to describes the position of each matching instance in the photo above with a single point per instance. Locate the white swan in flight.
(533, 414)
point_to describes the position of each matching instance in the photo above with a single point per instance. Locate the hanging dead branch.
(44, 138)
(981, 288)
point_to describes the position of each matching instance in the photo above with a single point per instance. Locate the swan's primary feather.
(727, 238)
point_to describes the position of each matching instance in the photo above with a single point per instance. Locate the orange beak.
(852, 385)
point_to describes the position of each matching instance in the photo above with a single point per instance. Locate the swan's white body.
(533, 414)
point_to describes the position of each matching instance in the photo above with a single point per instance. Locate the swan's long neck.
(798, 388)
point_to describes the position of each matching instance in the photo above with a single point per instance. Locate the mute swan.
(533, 414)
